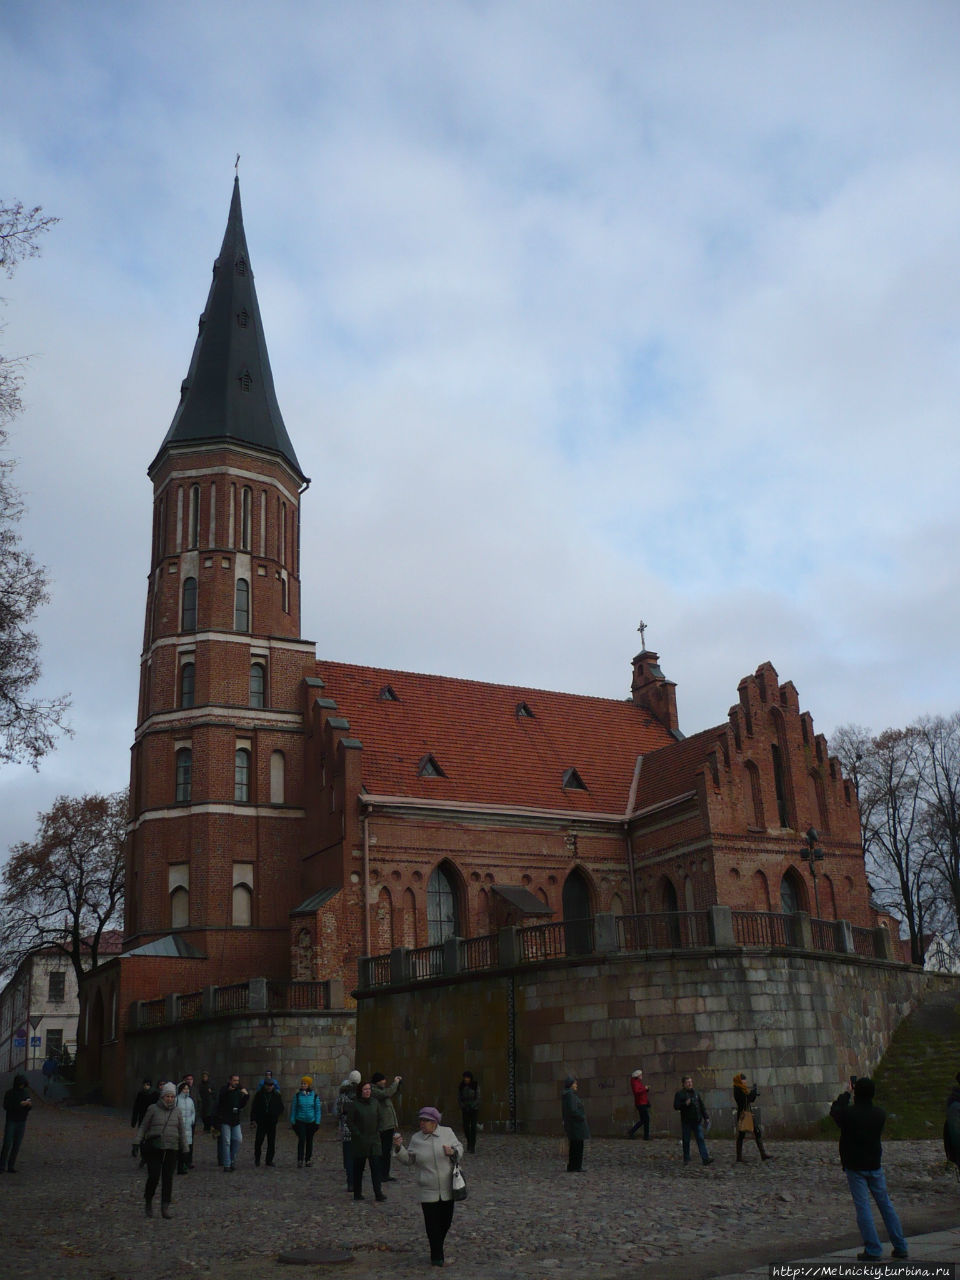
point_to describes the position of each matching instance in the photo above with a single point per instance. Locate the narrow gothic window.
(241, 614)
(178, 887)
(284, 598)
(241, 776)
(243, 894)
(277, 770)
(189, 612)
(441, 908)
(193, 530)
(258, 684)
(187, 674)
(246, 502)
(184, 775)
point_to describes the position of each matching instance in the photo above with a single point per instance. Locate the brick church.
(291, 813)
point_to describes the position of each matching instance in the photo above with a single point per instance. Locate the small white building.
(40, 1007)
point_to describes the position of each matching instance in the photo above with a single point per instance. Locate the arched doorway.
(576, 913)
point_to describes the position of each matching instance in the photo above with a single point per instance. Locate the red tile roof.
(673, 770)
(489, 753)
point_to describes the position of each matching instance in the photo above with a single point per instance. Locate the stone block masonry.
(797, 1024)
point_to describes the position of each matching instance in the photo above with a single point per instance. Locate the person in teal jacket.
(305, 1112)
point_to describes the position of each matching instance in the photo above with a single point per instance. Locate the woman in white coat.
(188, 1109)
(434, 1151)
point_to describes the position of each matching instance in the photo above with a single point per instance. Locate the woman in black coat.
(574, 1124)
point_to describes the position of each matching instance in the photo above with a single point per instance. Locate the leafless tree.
(28, 725)
(65, 888)
(939, 738)
(888, 773)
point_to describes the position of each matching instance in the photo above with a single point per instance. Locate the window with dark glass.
(184, 772)
(246, 503)
(241, 613)
(189, 612)
(187, 674)
(441, 908)
(56, 989)
(193, 528)
(241, 775)
(258, 685)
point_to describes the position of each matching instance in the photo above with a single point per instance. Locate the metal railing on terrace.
(258, 996)
(604, 934)
(664, 931)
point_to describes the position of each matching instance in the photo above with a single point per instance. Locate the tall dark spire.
(228, 392)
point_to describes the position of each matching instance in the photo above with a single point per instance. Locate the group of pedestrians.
(369, 1133)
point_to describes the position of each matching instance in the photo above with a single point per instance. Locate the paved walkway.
(74, 1210)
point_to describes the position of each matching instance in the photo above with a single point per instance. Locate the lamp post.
(813, 854)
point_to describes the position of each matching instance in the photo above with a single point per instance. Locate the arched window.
(241, 775)
(187, 675)
(193, 523)
(277, 780)
(241, 612)
(243, 894)
(178, 887)
(756, 794)
(189, 611)
(258, 685)
(575, 900)
(246, 515)
(184, 775)
(441, 907)
(791, 893)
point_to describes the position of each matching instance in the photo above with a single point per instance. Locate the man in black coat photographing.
(860, 1124)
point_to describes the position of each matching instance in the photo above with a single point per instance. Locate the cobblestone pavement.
(74, 1209)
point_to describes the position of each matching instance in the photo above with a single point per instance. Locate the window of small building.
(57, 985)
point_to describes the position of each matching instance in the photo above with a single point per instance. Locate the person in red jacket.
(641, 1100)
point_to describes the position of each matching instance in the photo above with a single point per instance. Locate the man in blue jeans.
(231, 1102)
(861, 1153)
(693, 1118)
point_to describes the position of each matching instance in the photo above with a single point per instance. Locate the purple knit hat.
(429, 1113)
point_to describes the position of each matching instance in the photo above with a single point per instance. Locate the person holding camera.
(861, 1155)
(693, 1118)
(384, 1094)
(747, 1122)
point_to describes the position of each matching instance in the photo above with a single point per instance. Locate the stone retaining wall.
(290, 1044)
(797, 1024)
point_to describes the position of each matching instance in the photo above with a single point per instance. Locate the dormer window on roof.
(428, 768)
(241, 265)
(246, 380)
(243, 317)
(524, 712)
(572, 781)
(388, 694)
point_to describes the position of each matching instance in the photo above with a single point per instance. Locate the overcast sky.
(578, 314)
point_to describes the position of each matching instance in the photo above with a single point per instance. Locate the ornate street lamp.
(813, 854)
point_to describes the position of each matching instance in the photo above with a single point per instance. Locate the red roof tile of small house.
(488, 752)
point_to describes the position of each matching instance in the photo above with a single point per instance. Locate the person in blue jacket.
(305, 1112)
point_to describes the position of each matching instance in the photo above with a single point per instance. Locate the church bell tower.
(216, 777)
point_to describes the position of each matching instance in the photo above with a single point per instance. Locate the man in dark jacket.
(575, 1125)
(16, 1106)
(266, 1111)
(231, 1102)
(693, 1117)
(861, 1154)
